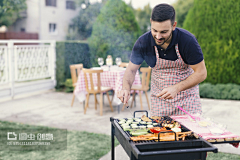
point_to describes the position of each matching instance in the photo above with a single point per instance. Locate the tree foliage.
(81, 26)
(114, 32)
(215, 23)
(143, 17)
(9, 10)
(182, 7)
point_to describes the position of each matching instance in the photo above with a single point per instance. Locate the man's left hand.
(168, 93)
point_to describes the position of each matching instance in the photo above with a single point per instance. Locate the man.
(177, 65)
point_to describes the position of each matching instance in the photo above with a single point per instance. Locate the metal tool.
(127, 106)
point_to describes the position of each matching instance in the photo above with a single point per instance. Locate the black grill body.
(189, 149)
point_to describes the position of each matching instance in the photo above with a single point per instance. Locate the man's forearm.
(128, 80)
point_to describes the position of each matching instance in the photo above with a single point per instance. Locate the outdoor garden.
(111, 28)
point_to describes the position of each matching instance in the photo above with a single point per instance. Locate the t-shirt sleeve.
(137, 53)
(193, 54)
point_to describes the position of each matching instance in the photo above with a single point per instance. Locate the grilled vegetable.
(143, 122)
(145, 118)
(158, 129)
(149, 126)
(138, 133)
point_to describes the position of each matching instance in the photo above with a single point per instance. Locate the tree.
(9, 10)
(114, 32)
(143, 17)
(182, 7)
(215, 23)
(81, 25)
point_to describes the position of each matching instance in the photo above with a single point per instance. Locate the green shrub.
(68, 85)
(215, 23)
(182, 7)
(67, 53)
(220, 91)
(114, 32)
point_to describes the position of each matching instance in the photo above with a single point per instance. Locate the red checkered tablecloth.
(112, 78)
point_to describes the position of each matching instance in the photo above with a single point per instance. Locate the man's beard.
(165, 40)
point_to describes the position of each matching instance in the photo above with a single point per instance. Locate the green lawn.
(80, 146)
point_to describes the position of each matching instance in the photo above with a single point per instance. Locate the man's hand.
(124, 96)
(168, 93)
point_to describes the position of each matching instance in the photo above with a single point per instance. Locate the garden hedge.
(67, 53)
(215, 23)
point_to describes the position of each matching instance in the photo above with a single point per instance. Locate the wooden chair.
(123, 65)
(95, 89)
(75, 70)
(146, 73)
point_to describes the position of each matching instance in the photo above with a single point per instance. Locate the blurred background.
(84, 30)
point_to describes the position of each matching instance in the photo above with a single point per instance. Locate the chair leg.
(101, 104)
(73, 99)
(113, 93)
(134, 93)
(110, 103)
(103, 99)
(123, 106)
(86, 103)
(147, 100)
(96, 102)
(140, 96)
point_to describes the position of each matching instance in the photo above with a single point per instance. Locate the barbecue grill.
(191, 148)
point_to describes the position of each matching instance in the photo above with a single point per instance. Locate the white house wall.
(37, 21)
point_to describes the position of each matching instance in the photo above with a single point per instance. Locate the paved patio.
(53, 109)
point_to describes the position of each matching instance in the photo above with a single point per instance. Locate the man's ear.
(174, 25)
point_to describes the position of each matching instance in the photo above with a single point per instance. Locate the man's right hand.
(124, 95)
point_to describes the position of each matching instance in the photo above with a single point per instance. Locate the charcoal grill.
(189, 149)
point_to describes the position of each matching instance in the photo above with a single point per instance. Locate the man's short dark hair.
(163, 12)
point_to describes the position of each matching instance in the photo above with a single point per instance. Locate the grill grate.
(164, 119)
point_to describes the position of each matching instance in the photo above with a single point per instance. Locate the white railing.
(26, 61)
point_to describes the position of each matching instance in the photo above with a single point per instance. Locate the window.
(70, 5)
(51, 3)
(22, 30)
(52, 28)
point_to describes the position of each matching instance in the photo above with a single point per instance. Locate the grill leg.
(112, 139)
(132, 157)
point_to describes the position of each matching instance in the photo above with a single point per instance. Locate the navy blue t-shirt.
(188, 46)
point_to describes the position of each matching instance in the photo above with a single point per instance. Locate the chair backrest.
(123, 65)
(90, 72)
(146, 73)
(75, 70)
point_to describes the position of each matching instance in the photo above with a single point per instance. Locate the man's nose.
(158, 36)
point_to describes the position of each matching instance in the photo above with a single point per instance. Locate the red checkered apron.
(167, 73)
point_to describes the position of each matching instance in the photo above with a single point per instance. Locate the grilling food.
(158, 129)
(143, 122)
(149, 126)
(176, 129)
(145, 118)
(173, 124)
(163, 137)
(156, 117)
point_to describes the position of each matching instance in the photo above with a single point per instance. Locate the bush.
(114, 32)
(68, 86)
(67, 53)
(182, 7)
(220, 91)
(215, 23)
